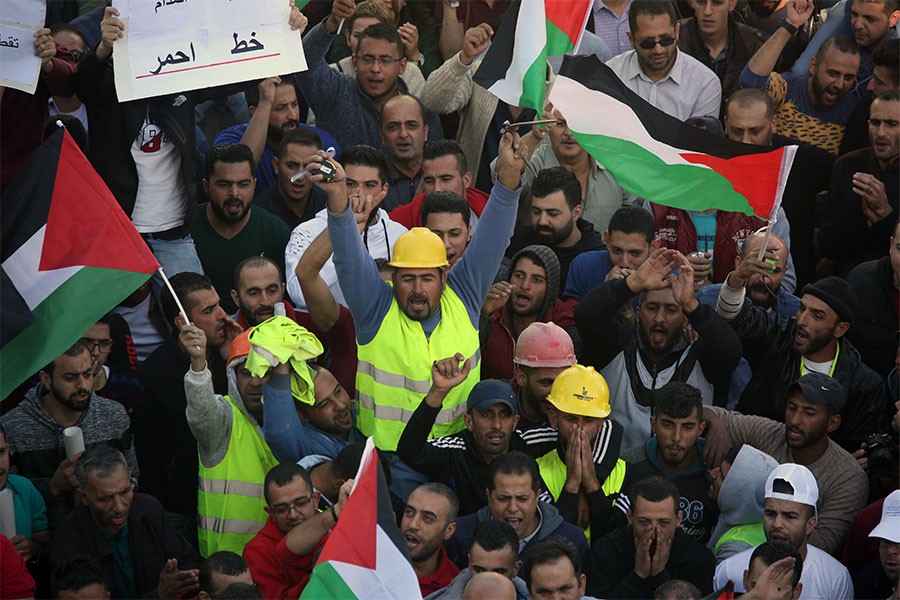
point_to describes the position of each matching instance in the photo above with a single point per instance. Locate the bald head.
(403, 131)
(489, 586)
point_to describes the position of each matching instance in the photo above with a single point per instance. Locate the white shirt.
(823, 577)
(379, 238)
(79, 113)
(690, 89)
(161, 202)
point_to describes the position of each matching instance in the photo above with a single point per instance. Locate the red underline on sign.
(218, 64)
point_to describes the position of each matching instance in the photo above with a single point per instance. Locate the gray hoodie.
(741, 497)
(454, 591)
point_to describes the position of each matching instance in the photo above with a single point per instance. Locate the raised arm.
(797, 13)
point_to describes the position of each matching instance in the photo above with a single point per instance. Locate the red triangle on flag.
(352, 540)
(86, 226)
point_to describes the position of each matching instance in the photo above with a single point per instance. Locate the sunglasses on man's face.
(665, 41)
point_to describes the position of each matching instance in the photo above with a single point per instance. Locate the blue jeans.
(174, 256)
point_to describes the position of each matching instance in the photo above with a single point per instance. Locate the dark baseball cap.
(818, 388)
(489, 392)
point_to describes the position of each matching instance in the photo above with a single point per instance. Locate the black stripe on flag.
(387, 520)
(590, 72)
(499, 56)
(16, 316)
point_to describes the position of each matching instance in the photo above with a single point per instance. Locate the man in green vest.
(234, 457)
(584, 474)
(427, 312)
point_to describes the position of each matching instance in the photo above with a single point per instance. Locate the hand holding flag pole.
(174, 295)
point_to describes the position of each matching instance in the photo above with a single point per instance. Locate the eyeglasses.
(77, 54)
(298, 504)
(97, 345)
(383, 61)
(665, 41)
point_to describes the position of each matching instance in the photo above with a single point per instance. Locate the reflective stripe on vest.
(751, 534)
(553, 472)
(230, 500)
(394, 371)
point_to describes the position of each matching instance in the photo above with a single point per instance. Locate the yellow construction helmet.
(419, 248)
(580, 390)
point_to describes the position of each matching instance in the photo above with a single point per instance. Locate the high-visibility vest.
(394, 371)
(230, 501)
(751, 534)
(553, 472)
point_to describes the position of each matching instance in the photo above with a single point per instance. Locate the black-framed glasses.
(298, 504)
(77, 54)
(384, 61)
(97, 345)
(649, 44)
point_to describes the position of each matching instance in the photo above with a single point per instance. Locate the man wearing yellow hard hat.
(427, 312)
(584, 474)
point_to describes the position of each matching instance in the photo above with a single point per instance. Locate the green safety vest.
(751, 534)
(230, 501)
(553, 472)
(394, 371)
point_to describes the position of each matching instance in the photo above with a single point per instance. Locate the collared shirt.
(612, 28)
(719, 64)
(441, 577)
(524, 541)
(401, 188)
(689, 90)
(123, 567)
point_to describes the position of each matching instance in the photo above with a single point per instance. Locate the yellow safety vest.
(751, 534)
(230, 501)
(394, 371)
(553, 472)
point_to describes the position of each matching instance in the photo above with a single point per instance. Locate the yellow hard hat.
(419, 248)
(580, 390)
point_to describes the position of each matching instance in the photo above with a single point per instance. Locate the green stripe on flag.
(534, 83)
(644, 174)
(61, 319)
(301, 4)
(326, 582)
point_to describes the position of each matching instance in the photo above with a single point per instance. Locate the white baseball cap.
(889, 526)
(801, 481)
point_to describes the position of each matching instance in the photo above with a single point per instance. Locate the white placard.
(19, 67)
(173, 46)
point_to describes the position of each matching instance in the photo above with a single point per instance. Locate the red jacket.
(339, 343)
(675, 229)
(410, 215)
(500, 346)
(278, 572)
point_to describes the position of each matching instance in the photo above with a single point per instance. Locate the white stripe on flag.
(393, 576)
(22, 268)
(592, 112)
(531, 39)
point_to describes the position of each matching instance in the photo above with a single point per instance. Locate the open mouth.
(514, 522)
(343, 418)
(411, 541)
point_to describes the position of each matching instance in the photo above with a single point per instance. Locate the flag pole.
(787, 162)
(174, 295)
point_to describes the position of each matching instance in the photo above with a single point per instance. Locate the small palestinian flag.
(724, 593)
(365, 557)
(515, 66)
(659, 158)
(69, 254)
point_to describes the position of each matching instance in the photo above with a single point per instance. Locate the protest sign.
(19, 67)
(178, 45)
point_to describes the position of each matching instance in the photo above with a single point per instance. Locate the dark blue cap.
(489, 392)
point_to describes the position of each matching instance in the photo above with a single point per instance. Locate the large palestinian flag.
(657, 157)
(515, 67)
(365, 557)
(69, 254)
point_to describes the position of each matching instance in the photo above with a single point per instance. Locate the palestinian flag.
(725, 593)
(69, 254)
(515, 66)
(365, 557)
(659, 158)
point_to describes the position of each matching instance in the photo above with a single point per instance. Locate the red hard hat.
(544, 345)
(240, 347)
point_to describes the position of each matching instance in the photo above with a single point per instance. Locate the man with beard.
(34, 429)
(674, 82)
(637, 360)
(528, 296)
(275, 111)
(490, 419)
(227, 229)
(556, 222)
(881, 579)
(293, 198)
(428, 521)
(765, 291)
(429, 312)
(584, 475)
(281, 565)
(811, 416)
(676, 452)
(814, 108)
(864, 195)
(790, 516)
(814, 340)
